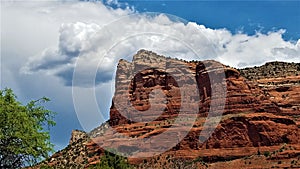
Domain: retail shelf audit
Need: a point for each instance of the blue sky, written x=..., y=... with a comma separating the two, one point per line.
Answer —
x=41, y=42
x=248, y=16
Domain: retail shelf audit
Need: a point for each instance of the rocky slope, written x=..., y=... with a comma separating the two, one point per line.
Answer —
x=261, y=113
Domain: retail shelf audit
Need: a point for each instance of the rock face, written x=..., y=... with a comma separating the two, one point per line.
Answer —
x=252, y=116
x=75, y=155
x=261, y=107
x=77, y=135
x=280, y=83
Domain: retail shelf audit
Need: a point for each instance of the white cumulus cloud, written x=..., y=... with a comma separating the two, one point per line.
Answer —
x=98, y=47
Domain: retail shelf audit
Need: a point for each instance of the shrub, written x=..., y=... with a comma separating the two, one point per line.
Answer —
x=46, y=167
x=266, y=153
x=112, y=160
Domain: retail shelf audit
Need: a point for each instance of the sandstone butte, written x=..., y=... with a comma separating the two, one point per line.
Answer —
x=259, y=126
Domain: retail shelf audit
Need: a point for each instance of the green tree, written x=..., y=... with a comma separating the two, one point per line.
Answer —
x=112, y=160
x=24, y=131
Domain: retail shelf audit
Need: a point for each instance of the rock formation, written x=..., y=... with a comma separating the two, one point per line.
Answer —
x=77, y=135
x=261, y=109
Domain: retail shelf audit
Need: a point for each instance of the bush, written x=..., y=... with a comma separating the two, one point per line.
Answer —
x=266, y=153
x=112, y=160
x=46, y=167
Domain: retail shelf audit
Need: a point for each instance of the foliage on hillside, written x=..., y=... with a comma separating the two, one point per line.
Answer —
x=111, y=160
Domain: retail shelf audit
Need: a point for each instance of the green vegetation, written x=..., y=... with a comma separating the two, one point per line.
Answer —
x=23, y=137
x=267, y=153
x=112, y=160
x=46, y=167
x=199, y=160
